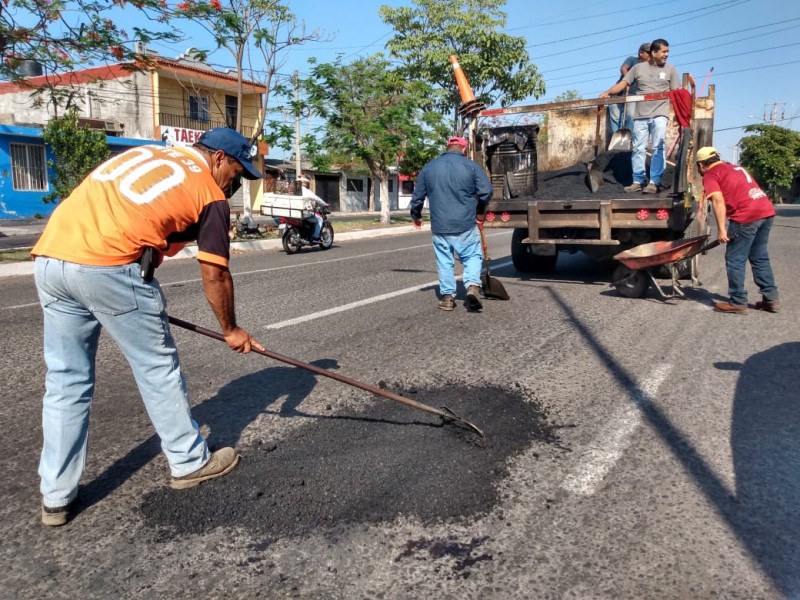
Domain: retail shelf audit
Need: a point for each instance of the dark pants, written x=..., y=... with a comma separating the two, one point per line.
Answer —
x=749, y=243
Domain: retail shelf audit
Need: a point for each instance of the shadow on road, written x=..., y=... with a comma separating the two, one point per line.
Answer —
x=765, y=440
x=228, y=413
x=764, y=514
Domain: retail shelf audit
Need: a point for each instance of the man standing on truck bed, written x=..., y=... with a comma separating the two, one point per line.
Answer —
x=452, y=183
x=744, y=216
x=616, y=111
x=650, y=118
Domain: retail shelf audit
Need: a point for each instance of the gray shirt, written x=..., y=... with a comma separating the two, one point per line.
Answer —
x=650, y=79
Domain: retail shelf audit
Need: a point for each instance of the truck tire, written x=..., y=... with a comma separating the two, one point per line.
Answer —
x=525, y=261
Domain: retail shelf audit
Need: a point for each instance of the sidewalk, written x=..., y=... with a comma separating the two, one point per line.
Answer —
x=36, y=226
x=12, y=227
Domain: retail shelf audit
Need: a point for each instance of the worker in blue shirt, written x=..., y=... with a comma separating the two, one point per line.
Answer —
x=458, y=191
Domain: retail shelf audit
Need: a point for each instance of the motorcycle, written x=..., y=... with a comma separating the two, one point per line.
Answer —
x=296, y=233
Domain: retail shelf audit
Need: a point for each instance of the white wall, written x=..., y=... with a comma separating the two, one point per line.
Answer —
x=376, y=193
x=126, y=100
x=351, y=200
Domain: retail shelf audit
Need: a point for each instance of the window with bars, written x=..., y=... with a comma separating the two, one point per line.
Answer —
x=198, y=108
x=28, y=168
x=355, y=185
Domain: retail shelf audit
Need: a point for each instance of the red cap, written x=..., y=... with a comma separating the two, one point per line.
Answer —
x=457, y=141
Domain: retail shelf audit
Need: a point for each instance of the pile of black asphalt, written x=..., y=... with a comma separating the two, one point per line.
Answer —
x=368, y=467
x=572, y=182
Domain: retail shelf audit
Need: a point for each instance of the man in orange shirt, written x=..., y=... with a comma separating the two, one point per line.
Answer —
x=148, y=201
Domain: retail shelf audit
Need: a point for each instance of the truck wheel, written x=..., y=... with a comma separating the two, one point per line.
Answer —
x=630, y=283
x=525, y=261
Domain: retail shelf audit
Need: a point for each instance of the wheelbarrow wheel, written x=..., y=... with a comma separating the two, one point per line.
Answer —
x=629, y=282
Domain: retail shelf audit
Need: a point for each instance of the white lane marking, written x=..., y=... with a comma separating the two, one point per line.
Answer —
x=20, y=306
x=311, y=263
x=292, y=266
x=609, y=446
x=359, y=303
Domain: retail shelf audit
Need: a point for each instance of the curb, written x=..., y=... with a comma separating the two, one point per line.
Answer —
x=26, y=268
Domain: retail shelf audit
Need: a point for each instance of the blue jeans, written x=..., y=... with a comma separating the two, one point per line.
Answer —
x=749, y=242
x=77, y=301
x=655, y=129
x=317, y=225
x=467, y=247
x=615, y=119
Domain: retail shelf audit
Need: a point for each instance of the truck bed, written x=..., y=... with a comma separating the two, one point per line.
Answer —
x=564, y=210
x=571, y=182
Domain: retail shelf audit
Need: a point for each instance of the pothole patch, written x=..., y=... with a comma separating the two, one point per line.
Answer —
x=373, y=466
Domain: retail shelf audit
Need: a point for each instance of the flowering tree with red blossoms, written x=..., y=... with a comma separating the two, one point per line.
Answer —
x=63, y=36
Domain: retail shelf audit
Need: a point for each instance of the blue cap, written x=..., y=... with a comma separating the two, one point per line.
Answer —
x=234, y=144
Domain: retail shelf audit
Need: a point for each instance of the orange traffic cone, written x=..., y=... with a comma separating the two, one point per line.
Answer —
x=470, y=106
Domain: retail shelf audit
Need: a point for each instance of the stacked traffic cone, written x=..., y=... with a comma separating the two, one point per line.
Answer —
x=470, y=106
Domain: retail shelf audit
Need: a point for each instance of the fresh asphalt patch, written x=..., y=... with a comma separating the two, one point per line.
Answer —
x=374, y=466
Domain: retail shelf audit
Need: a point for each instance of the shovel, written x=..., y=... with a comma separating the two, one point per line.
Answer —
x=594, y=175
x=621, y=138
x=491, y=287
x=446, y=414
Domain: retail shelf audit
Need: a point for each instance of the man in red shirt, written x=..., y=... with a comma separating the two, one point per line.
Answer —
x=744, y=216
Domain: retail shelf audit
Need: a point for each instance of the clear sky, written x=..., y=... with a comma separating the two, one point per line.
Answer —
x=753, y=46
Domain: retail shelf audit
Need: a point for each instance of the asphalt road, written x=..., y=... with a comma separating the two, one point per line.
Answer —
x=635, y=448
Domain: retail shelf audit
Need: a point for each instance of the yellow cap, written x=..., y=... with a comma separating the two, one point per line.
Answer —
x=706, y=152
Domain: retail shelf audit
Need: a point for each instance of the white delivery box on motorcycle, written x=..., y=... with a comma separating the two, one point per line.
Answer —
x=284, y=205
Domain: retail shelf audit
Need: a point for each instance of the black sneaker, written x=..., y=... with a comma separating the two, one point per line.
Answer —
x=447, y=302
x=473, y=298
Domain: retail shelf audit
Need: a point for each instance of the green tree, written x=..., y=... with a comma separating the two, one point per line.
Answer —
x=373, y=113
x=772, y=156
x=496, y=64
x=248, y=28
x=568, y=95
x=77, y=149
x=61, y=36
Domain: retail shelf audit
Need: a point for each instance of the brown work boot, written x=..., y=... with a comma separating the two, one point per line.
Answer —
x=727, y=307
x=56, y=517
x=772, y=306
x=221, y=462
x=634, y=187
x=447, y=302
x=473, y=300
x=651, y=188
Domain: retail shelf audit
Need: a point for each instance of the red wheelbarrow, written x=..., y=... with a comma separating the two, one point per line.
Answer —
x=635, y=275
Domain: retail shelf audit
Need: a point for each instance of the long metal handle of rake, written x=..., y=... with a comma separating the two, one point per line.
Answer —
x=446, y=414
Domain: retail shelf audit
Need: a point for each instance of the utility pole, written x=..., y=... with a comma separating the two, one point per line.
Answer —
x=297, y=168
x=774, y=112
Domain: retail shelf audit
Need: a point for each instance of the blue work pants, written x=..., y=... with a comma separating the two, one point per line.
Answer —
x=77, y=301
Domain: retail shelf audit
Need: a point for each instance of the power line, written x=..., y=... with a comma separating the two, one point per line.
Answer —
x=686, y=54
x=724, y=5
x=751, y=124
x=637, y=9
x=716, y=74
x=690, y=52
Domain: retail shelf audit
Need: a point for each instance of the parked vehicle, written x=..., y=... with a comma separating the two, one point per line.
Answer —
x=297, y=232
x=594, y=216
x=241, y=230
